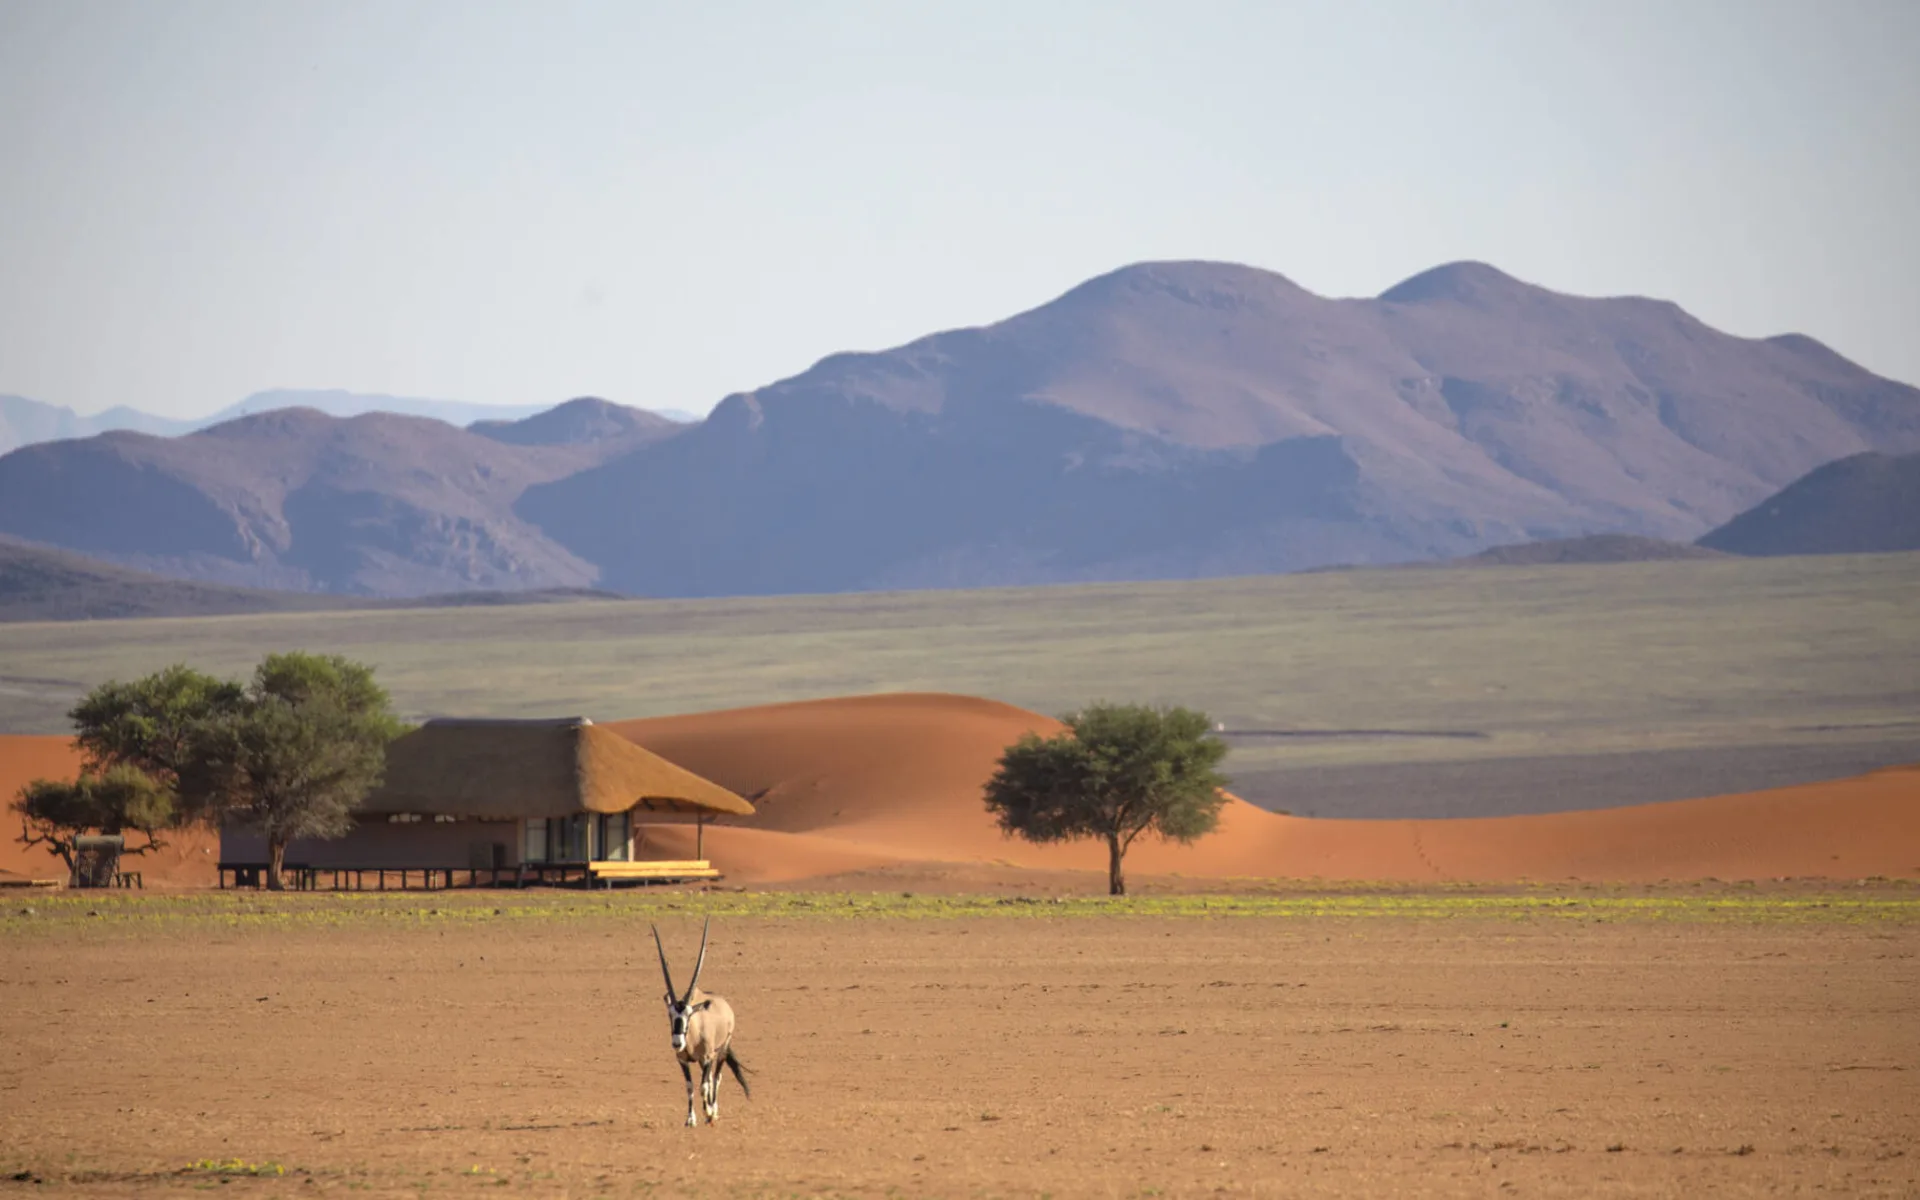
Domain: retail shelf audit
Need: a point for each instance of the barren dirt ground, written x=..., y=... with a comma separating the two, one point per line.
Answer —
x=452, y=1050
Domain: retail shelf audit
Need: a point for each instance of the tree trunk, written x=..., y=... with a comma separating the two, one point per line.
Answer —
x=276, y=858
x=1116, y=878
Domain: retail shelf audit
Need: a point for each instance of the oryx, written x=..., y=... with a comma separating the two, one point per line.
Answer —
x=702, y=1033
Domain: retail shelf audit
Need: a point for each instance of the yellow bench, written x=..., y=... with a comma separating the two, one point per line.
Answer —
x=691, y=868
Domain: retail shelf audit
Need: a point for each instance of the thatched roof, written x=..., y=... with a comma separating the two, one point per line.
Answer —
x=507, y=769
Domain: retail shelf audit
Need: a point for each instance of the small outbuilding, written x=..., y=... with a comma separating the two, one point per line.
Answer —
x=504, y=801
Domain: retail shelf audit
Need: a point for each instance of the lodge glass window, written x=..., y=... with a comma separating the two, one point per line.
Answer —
x=580, y=838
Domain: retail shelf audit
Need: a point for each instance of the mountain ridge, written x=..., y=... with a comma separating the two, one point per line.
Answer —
x=1473, y=409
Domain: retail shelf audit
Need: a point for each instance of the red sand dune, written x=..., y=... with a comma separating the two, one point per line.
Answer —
x=872, y=782
x=897, y=778
x=186, y=860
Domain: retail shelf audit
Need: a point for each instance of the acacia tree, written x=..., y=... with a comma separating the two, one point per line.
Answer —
x=290, y=753
x=296, y=755
x=135, y=737
x=55, y=813
x=1118, y=771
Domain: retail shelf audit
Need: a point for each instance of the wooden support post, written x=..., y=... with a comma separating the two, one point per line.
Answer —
x=700, y=835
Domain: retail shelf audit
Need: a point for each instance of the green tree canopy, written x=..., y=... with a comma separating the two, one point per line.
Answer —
x=122, y=799
x=297, y=755
x=1118, y=771
x=150, y=723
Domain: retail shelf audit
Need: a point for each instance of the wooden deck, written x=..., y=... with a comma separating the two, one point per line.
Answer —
x=303, y=877
x=652, y=870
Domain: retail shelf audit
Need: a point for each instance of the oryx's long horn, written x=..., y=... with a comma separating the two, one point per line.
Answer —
x=664, y=970
x=698, y=962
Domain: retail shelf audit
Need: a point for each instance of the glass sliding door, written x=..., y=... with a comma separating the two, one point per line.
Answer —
x=613, y=842
x=567, y=838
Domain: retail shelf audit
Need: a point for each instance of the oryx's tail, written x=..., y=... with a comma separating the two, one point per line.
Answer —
x=739, y=1070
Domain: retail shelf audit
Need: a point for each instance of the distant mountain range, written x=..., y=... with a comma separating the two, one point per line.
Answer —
x=42, y=584
x=294, y=499
x=1168, y=420
x=38, y=583
x=24, y=422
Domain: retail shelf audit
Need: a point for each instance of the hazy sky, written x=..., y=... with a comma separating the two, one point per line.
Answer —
x=663, y=203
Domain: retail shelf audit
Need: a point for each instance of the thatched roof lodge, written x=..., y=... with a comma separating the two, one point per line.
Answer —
x=506, y=795
x=505, y=770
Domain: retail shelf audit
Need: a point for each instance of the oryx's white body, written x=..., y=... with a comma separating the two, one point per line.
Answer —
x=701, y=1029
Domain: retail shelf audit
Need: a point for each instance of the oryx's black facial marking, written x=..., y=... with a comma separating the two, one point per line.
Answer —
x=677, y=1014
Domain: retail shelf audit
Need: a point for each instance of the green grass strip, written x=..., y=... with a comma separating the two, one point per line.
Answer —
x=39, y=914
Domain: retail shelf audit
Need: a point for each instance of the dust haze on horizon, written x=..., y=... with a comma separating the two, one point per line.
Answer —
x=516, y=203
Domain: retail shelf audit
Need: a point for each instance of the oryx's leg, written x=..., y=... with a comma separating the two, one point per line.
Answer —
x=686, y=1073
x=711, y=1073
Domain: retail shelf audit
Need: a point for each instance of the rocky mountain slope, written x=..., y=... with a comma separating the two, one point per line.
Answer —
x=1864, y=504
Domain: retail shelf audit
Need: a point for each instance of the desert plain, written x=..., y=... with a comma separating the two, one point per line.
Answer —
x=1572, y=1042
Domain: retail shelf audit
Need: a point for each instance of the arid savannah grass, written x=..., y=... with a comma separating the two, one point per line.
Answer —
x=1597, y=1041
x=1555, y=660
